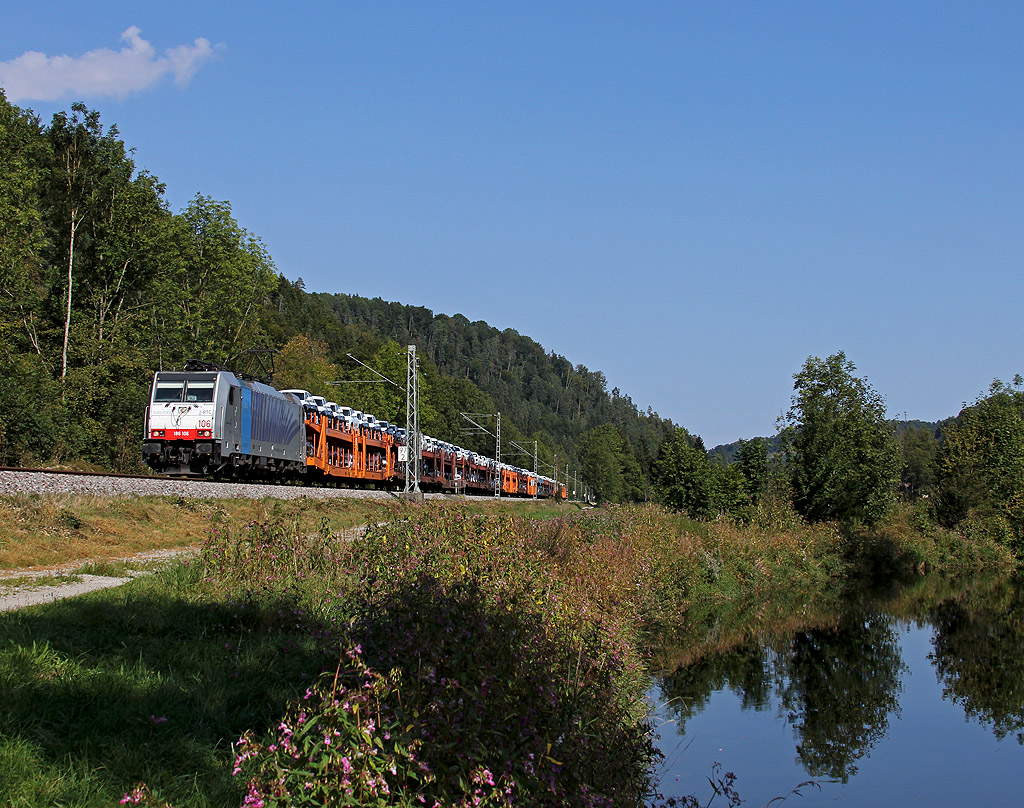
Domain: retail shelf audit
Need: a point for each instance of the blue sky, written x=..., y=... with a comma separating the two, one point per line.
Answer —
x=690, y=197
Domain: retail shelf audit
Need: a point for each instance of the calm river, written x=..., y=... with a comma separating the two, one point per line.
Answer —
x=915, y=699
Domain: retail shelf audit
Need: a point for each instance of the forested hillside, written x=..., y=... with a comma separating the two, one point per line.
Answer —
x=101, y=284
x=540, y=391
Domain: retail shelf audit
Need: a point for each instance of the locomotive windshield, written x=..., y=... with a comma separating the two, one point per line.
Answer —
x=191, y=390
x=168, y=391
x=199, y=390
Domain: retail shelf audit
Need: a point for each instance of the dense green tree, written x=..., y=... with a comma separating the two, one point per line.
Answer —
x=110, y=243
x=602, y=455
x=981, y=463
x=31, y=433
x=81, y=237
x=88, y=165
x=452, y=397
x=841, y=454
x=686, y=479
x=754, y=465
x=215, y=287
x=303, y=364
x=22, y=228
x=638, y=487
x=919, y=448
x=365, y=389
x=130, y=246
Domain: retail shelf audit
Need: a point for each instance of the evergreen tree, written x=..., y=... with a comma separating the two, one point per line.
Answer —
x=754, y=465
x=686, y=479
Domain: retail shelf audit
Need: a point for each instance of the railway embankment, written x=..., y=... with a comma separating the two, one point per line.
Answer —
x=50, y=483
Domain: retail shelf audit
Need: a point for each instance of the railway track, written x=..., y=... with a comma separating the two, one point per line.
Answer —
x=60, y=481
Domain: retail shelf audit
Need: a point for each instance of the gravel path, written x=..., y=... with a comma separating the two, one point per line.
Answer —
x=27, y=595
x=17, y=589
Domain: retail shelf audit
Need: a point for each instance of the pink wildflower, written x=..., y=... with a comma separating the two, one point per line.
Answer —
x=253, y=799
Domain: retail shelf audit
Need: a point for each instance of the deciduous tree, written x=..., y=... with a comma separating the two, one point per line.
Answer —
x=303, y=364
x=919, y=448
x=219, y=283
x=22, y=228
x=86, y=162
x=841, y=454
x=981, y=463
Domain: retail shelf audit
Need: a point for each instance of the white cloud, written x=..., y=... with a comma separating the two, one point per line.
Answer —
x=101, y=72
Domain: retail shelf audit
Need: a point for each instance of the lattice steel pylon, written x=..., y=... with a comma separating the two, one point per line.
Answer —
x=412, y=422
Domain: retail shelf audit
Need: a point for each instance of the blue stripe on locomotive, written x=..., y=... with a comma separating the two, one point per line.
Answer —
x=246, y=420
x=274, y=420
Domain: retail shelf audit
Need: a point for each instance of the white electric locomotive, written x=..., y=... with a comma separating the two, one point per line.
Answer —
x=210, y=421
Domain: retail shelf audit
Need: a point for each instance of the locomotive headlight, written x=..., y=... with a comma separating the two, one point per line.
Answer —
x=156, y=433
x=204, y=433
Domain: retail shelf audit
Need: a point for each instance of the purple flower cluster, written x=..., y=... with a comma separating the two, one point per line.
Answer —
x=339, y=742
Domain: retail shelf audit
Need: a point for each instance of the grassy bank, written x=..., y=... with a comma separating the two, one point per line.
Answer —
x=449, y=656
x=64, y=530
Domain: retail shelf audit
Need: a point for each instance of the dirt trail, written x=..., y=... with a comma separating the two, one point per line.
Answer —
x=18, y=590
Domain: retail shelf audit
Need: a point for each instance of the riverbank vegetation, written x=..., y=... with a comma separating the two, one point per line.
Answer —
x=446, y=655
x=839, y=461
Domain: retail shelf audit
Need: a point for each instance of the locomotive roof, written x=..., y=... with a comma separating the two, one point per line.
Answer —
x=211, y=375
x=184, y=375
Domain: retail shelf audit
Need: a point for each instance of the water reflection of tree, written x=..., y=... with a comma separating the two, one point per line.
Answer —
x=839, y=686
x=744, y=670
x=979, y=658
